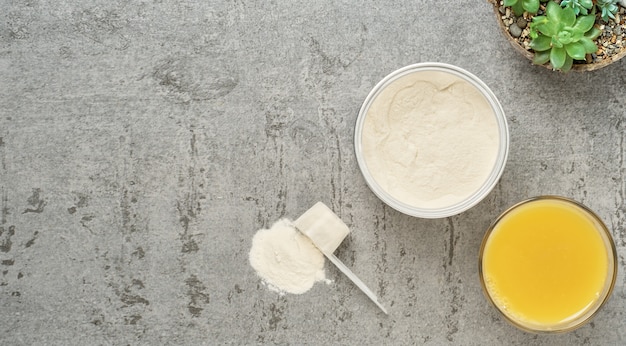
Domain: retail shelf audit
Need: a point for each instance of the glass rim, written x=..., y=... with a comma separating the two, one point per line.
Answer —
x=609, y=283
x=473, y=198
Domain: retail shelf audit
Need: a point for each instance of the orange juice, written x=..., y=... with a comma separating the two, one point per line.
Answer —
x=548, y=264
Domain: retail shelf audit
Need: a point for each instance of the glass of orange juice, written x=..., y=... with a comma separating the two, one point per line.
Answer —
x=548, y=264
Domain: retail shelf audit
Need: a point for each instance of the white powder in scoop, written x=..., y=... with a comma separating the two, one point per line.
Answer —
x=430, y=139
x=285, y=259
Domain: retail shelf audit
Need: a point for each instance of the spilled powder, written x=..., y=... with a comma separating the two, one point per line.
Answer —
x=285, y=259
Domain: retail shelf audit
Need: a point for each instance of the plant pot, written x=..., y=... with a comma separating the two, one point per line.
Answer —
x=579, y=66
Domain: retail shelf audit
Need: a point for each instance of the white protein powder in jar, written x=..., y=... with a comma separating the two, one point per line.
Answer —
x=430, y=139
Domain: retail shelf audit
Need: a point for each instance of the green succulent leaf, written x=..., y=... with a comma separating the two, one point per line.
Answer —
x=541, y=58
x=584, y=23
x=509, y=2
x=567, y=16
x=590, y=46
x=541, y=43
x=532, y=6
x=536, y=22
x=568, y=64
x=565, y=37
x=553, y=12
x=557, y=57
x=586, y=4
x=518, y=8
x=593, y=33
x=548, y=28
x=539, y=20
x=606, y=14
x=576, y=50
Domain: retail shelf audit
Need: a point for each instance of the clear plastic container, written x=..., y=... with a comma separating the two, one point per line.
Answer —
x=471, y=199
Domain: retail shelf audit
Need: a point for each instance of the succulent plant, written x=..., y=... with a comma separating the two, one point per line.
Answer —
x=608, y=8
x=579, y=6
x=561, y=37
x=519, y=6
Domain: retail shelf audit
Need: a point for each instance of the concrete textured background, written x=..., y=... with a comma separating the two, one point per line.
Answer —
x=143, y=143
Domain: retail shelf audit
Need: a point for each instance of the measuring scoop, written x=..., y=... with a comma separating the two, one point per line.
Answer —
x=326, y=230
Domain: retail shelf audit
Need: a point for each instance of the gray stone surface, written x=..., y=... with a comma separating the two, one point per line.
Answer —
x=142, y=144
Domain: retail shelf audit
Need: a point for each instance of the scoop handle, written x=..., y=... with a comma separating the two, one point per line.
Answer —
x=355, y=279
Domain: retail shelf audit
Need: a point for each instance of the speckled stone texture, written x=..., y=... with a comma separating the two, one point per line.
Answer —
x=142, y=144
